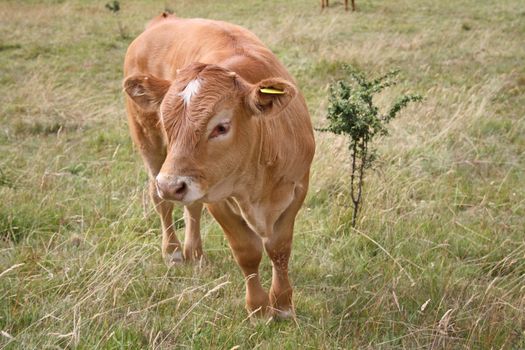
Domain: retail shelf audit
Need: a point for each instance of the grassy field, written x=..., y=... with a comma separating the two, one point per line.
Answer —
x=437, y=262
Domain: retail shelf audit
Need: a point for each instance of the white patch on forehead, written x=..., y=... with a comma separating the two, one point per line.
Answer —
x=191, y=89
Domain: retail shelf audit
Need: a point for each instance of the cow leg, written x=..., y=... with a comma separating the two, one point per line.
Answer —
x=278, y=245
x=247, y=249
x=171, y=247
x=192, y=236
x=149, y=140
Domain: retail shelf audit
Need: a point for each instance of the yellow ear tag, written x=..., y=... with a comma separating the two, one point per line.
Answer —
x=271, y=91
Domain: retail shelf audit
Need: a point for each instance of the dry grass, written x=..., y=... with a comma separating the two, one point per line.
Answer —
x=438, y=260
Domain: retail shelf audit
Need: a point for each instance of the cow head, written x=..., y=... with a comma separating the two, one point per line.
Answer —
x=212, y=119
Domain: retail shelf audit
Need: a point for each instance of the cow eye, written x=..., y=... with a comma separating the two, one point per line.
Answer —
x=220, y=129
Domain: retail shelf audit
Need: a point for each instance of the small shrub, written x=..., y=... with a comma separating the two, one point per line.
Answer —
x=114, y=7
x=466, y=26
x=351, y=112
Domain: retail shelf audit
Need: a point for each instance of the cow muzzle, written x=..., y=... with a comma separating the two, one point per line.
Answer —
x=177, y=188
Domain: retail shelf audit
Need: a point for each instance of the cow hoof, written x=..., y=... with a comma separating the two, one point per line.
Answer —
x=197, y=264
x=193, y=254
x=173, y=258
x=258, y=320
x=283, y=314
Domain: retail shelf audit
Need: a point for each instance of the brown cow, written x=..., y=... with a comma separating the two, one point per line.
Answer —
x=325, y=3
x=218, y=120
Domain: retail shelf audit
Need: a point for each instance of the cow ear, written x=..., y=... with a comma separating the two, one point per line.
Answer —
x=270, y=96
x=146, y=91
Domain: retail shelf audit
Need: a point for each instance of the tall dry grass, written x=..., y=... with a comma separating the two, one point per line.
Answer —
x=438, y=260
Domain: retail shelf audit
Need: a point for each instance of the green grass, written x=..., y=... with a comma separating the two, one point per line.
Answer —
x=438, y=260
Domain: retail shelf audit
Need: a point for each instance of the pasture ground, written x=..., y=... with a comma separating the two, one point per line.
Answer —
x=438, y=260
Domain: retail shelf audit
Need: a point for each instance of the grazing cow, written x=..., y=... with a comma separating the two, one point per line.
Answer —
x=324, y=3
x=219, y=121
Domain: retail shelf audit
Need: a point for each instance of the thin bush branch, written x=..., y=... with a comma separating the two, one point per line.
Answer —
x=351, y=111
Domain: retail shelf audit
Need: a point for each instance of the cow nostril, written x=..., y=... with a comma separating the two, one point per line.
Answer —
x=170, y=188
x=181, y=188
